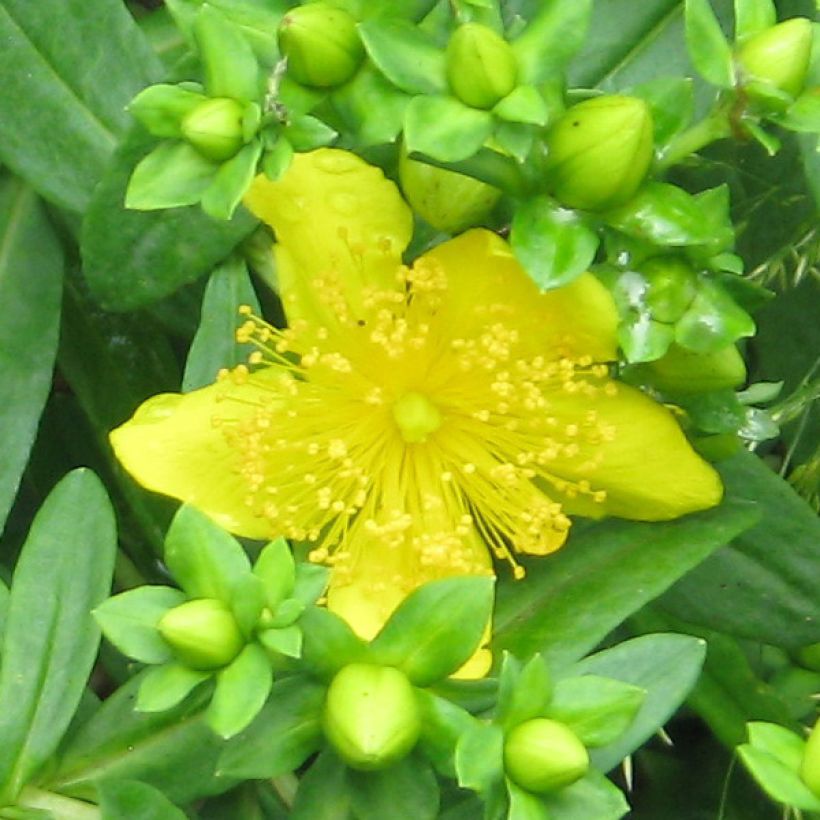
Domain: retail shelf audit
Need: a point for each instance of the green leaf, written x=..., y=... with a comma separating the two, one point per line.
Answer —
x=204, y=559
x=609, y=570
x=373, y=794
x=523, y=104
x=712, y=321
x=597, y=709
x=781, y=743
x=277, y=571
x=443, y=723
x=232, y=180
x=642, y=339
x=214, y=345
x=242, y=688
x=803, y=115
x=276, y=160
x=58, y=122
x=752, y=16
x=554, y=245
x=230, y=66
x=406, y=55
x=132, y=800
x=129, y=620
x=665, y=667
x=324, y=793
x=172, y=175
x=163, y=687
x=305, y=133
x=311, y=582
x=286, y=640
x=283, y=734
x=780, y=782
x=551, y=38
x=592, y=796
x=444, y=128
x=526, y=695
x=328, y=643
x=762, y=586
x=672, y=102
x=479, y=757
x=708, y=48
x=161, y=108
x=31, y=274
x=133, y=258
x=524, y=805
x=436, y=628
x=174, y=750
x=50, y=641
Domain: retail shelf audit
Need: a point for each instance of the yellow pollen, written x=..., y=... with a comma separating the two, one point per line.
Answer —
x=416, y=417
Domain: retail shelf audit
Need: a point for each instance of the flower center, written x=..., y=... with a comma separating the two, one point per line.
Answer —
x=416, y=417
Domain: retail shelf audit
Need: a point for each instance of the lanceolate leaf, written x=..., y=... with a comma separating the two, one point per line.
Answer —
x=69, y=69
x=707, y=44
x=31, y=273
x=51, y=640
x=130, y=799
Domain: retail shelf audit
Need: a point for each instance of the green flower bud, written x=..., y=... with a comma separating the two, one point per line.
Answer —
x=810, y=767
x=214, y=128
x=542, y=755
x=203, y=633
x=371, y=715
x=672, y=286
x=449, y=201
x=481, y=66
x=779, y=55
x=599, y=152
x=684, y=371
x=321, y=43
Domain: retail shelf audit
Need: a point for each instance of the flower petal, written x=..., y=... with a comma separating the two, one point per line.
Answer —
x=173, y=445
x=486, y=283
x=642, y=459
x=337, y=219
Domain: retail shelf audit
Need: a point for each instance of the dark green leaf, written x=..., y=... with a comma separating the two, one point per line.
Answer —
x=58, y=121
x=406, y=55
x=672, y=102
x=129, y=620
x=283, y=734
x=666, y=667
x=444, y=128
x=242, y=688
x=571, y=600
x=324, y=793
x=31, y=273
x=132, y=800
x=131, y=258
x=51, y=640
x=374, y=794
x=443, y=723
x=553, y=244
x=592, y=796
x=174, y=751
x=708, y=48
x=204, y=559
x=480, y=757
x=436, y=628
x=762, y=586
x=214, y=345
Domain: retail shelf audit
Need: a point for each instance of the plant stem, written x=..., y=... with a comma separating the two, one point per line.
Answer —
x=710, y=129
x=66, y=808
x=286, y=785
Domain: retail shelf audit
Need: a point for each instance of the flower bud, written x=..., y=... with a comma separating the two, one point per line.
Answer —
x=684, y=371
x=542, y=755
x=779, y=55
x=672, y=285
x=810, y=766
x=214, y=128
x=481, y=66
x=449, y=201
x=371, y=715
x=203, y=633
x=321, y=43
x=599, y=152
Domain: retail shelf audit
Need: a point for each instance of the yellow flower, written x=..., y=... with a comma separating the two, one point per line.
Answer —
x=411, y=421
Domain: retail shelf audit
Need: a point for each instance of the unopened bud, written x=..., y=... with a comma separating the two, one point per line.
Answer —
x=214, y=128
x=481, y=66
x=672, y=285
x=599, y=152
x=684, y=371
x=203, y=633
x=810, y=766
x=779, y=55
x=449, y=201
x=321, y=44
x=542, y=755
x=371, y=715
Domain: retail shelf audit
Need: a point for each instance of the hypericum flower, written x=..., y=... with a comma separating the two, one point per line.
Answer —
x=411, y=421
